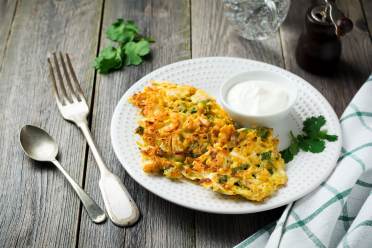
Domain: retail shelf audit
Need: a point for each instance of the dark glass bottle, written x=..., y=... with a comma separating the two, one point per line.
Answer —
x=318, y=48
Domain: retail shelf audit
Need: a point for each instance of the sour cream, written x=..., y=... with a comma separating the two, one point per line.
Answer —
x=257, y=97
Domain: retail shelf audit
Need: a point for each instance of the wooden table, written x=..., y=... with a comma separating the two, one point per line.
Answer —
x=37, y=206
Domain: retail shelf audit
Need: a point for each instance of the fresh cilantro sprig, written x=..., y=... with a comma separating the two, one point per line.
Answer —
x=312, y=138
x=122, y=31
x=130, y=49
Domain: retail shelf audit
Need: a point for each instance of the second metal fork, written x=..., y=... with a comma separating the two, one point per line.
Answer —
x=71, y=102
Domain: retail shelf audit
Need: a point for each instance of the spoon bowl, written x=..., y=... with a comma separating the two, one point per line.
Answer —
x=38, y=144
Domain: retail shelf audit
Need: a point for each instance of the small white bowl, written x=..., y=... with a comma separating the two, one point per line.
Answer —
x=268, y=120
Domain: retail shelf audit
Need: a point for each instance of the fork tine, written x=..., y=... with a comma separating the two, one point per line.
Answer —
x=75, y=80
x=67, y=77
x=60, y=79
x=53, y=78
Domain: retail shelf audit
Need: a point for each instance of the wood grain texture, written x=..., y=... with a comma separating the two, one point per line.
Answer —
x=367, y=10
x=356, y=58
x=7, y=11
x=212, y=35
x=38, y=206
x=163, y=224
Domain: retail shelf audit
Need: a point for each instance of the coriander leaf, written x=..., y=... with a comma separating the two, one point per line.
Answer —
x=312, y=139
x=313, y=145
x=331, y=137
x=287, y=155
x=109, y=59
x=131, y=46
x=326, y=136
x=313, y=125
x=293, y=148
x=122, y=31
x=150, y=39
x=135, y=50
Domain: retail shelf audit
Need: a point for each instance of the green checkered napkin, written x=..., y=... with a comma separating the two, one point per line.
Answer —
x=339, y=212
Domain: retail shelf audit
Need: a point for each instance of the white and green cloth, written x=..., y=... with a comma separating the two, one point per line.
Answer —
x=339, y=212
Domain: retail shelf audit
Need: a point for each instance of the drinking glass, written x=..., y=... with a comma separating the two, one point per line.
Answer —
x=256, y=19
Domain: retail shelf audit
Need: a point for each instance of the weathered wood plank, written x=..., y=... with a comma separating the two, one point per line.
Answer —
x=212, y=35
x=7, y=11
x=356, y=56
x=38, y=207
x=367, y=10
x=162, y=224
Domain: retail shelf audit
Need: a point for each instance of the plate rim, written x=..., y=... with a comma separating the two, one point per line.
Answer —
x=281, y=203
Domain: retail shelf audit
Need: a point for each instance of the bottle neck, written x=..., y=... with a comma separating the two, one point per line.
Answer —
x=318, y=26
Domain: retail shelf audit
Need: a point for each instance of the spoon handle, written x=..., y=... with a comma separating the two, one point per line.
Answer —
x=94, y=211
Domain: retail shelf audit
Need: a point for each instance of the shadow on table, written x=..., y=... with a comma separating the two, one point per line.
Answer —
x=218, y=230
x=166, y=223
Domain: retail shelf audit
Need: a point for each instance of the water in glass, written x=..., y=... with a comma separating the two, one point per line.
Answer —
x=256, y=19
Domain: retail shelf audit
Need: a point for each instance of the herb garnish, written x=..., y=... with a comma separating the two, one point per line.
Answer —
x=223, y=179
x=266, y=155
x=239, y=168
x=311, y=140
x=263, y=132
x=131, y=47
x=193, y=110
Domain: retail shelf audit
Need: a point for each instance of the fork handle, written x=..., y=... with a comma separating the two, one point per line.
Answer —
x=120, y=206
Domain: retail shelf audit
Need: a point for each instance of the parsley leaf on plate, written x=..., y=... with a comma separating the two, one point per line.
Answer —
x=313, y=125
x=294, y=147
x=308, y=144
x=312, y=139
x=326, y=136
x=289, y=153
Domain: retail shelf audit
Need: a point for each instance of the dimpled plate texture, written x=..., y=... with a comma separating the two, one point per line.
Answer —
x=306, y=172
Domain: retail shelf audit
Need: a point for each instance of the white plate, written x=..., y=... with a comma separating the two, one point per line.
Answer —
x=306, y=172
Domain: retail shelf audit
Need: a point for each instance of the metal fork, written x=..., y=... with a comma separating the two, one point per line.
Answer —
x=71, y=102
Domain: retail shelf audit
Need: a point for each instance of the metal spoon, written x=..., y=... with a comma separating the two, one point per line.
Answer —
x=40, y=146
